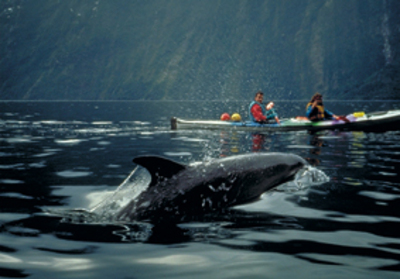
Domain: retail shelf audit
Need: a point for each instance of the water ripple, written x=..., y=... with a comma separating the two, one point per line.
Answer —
x=72, y=174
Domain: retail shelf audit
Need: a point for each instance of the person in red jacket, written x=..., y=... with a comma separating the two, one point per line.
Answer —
x=259, y=113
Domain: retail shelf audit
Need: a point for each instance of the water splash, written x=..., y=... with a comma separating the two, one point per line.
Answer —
x=306, y=177
x=137, y=182
x=104, y=212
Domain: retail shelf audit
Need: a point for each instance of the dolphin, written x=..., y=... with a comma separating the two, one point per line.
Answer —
x=178, y=190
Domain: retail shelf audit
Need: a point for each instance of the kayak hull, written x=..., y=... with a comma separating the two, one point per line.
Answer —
x=374, y=122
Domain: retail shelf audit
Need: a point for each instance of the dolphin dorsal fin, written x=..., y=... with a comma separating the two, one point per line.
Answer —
x=159, y=167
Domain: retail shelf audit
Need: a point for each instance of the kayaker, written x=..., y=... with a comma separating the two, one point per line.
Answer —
x=260, y=114
x=315, y=110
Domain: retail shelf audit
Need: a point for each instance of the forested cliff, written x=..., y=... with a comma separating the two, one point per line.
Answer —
x=199, y=49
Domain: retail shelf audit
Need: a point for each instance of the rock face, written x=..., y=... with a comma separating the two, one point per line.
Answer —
x=199, y=50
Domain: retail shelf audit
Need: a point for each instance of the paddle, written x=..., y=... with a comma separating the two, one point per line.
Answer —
x=352, y=116
x=343, y=118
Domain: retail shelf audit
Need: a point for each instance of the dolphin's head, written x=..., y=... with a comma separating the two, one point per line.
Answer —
x=264, y=161
x=284, y=165
x=248, y=176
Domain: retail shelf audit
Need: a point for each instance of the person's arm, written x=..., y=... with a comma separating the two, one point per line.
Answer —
x=271, y=113
x=309, y=110
x=256, y=110
x=330, y=115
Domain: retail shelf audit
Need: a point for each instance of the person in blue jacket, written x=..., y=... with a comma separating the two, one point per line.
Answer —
x=315, y=110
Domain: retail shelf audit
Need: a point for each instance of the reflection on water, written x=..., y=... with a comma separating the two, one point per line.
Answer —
x=75, y=160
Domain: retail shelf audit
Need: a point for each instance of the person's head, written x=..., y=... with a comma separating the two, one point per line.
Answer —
x=316, y=97
x=259, y=97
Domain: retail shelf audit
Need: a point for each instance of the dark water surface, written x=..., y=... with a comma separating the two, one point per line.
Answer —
x=70, y=155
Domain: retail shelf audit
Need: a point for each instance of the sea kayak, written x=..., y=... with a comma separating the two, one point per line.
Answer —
x=375, y=122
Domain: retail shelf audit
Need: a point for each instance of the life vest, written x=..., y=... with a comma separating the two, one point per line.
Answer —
x=317, y=113
x=251, y=115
